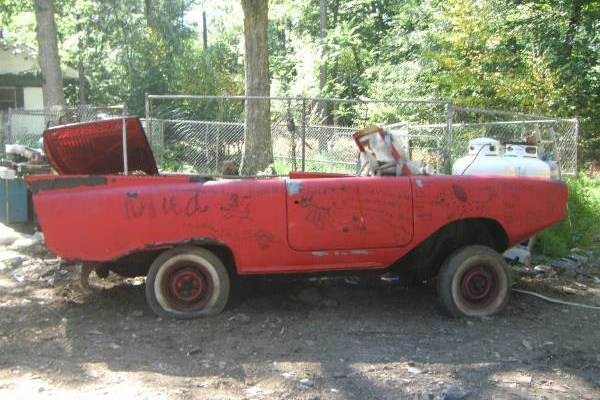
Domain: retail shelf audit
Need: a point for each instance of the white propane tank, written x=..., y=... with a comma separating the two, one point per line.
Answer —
x=483, y=159
x=486, y=157
x=526, y=162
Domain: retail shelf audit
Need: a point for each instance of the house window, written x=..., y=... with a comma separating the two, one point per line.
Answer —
x=8, y=98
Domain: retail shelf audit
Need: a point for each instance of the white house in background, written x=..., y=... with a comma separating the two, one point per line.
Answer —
x=21, y=89
x=20, y=78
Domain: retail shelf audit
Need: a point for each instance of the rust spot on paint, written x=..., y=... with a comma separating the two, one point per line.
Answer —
x=459, y=193
x=200, y=240
x=196, y=241
x=67, y=183
x=264, y=239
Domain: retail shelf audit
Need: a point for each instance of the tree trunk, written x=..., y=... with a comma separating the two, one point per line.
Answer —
x=204, y=31
x=258, y=151
x=149, y=13
x=323, y=37
x=52, y=81
x=574, y=19
x=324, y=113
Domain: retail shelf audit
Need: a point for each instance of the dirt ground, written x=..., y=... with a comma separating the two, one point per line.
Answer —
x=288, y=339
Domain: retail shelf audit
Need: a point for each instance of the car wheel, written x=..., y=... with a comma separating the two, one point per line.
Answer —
x=474, y=281
x=187, y=282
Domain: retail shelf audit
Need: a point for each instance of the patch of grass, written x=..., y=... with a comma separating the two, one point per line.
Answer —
x=581, y=227
x=319, y=164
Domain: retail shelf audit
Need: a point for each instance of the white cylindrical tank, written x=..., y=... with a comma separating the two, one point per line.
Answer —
x=486, y=157
x=526, y=162
x=483, y=159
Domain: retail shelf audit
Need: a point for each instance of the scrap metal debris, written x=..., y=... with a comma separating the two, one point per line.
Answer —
x=21, y=160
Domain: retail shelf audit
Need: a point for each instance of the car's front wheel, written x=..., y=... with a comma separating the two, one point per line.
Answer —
x=474, y=281
x=187, y=282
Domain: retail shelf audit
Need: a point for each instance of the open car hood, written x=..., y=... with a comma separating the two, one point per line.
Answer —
x=96, y=148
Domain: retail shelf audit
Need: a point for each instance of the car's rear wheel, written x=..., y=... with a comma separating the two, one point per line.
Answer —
x=187, y=282
x=474, y=281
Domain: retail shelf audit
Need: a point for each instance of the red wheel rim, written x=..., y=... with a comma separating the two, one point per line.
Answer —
x=479, y=286
x=187, y=285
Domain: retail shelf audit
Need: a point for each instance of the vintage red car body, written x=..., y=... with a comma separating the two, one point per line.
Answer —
x=300, y=224
x=303, y=223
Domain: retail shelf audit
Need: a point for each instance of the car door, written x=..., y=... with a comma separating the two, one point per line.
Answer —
x=349, y=213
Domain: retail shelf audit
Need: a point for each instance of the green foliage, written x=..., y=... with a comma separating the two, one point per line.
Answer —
x=132, y=47
x=539, y=56
x=580, y=228
x=534, y=56
x=12, y=7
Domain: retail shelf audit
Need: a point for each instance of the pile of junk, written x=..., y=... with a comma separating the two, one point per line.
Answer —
x=18, y=161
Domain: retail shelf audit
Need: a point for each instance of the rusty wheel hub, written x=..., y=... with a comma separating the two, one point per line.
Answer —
x=187, y=284
x=479, y=286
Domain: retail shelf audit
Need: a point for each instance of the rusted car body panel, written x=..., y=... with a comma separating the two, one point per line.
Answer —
x=306, y=223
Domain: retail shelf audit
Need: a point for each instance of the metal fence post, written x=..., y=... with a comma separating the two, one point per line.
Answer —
x=206, y=147
x=147, y=118
x=220, y=116
x=3, y=131
x=449, y=138
x=292, y=129
x=8, y=135
x=218, y=150
x=125, y=166
x=303, y=133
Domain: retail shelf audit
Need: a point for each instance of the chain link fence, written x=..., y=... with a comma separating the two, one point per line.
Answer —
x=556, y=137
x=205, y=134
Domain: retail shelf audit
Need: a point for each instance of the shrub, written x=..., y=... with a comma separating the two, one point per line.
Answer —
x=581, y=226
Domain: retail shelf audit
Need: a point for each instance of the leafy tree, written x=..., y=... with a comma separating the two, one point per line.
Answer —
x=539, y=56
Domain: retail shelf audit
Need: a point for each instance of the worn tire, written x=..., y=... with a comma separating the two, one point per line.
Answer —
x=187, y=282
x=474, y=281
